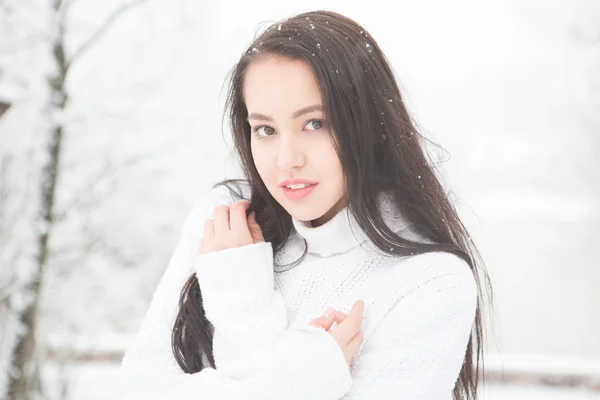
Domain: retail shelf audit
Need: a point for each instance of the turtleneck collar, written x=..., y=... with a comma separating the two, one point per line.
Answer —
x=342, y=233
x=338, y=235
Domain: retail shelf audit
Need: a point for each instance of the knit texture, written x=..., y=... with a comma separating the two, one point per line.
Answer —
x=419, y=312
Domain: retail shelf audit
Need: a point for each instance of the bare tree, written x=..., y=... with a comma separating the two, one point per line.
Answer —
x=4, y=106
x=23, y=379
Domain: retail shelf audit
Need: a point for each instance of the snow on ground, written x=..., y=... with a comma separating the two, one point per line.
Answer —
x=98, y=382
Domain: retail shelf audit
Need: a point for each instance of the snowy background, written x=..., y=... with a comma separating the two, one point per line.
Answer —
x=511, y=89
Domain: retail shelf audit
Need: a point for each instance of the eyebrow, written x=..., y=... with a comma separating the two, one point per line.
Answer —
x=296, y=114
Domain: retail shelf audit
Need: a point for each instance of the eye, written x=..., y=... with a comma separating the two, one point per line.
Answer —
x=266, y=131
x=316, y=124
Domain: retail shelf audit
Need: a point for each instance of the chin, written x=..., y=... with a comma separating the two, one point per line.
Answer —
x=307, y=212
x=304, y=216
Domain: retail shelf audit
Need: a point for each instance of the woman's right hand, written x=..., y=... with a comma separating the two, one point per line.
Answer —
x=230, y=228
x=348, y=333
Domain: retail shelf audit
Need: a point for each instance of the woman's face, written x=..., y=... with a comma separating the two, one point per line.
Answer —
x=292, y=140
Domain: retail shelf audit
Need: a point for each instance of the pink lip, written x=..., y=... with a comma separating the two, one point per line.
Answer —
x=297, y=181
x=297, y=194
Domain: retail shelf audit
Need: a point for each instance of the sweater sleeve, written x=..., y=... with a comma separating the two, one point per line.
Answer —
x=240, y=300
x=286, y=369
x=304, y=364
x=417, y=351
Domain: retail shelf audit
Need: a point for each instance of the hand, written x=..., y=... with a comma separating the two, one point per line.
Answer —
x=348, y=333
x=230, y=228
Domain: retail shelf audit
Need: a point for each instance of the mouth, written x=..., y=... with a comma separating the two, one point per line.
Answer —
x=298, y=191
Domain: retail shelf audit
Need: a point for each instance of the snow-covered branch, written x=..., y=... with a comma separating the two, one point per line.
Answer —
x=108, y=22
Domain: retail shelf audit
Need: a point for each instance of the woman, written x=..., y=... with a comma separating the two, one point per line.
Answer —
x=340, y=210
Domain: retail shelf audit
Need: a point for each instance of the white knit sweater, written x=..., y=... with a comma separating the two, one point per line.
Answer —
x=418, y=316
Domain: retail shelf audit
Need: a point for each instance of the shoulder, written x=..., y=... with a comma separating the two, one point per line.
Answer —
x=441, y=262
x=434, y=272
x=441, y=285
x=418, y=295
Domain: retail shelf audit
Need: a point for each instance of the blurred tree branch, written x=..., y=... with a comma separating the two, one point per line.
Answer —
x=24, y=377
x=104, y=27
x=4, y=106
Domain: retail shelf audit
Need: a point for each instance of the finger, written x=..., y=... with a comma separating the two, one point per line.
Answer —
x=322, y=322
x=351, y=325
x=325, y=321
x=221, y=215
x=255, y=229
x=237, y=216
x=354, y=344
x=340, y=317
x=209, y=229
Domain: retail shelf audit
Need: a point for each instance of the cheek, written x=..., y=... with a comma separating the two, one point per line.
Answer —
x=328, y=164
x=329, y=161
x=261, y=161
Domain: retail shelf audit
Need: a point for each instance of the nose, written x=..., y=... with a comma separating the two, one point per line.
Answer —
x=290, y=154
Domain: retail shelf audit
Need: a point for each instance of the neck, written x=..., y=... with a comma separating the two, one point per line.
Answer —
x=339, y=206
x=341, y=232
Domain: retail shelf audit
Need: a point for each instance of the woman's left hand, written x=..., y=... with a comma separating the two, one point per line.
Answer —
x=230, y=228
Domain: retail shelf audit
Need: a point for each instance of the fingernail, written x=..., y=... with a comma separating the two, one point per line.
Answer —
x=329, y=312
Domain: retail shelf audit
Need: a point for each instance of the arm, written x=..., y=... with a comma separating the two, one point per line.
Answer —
x=234, y=269
x=417, y=351
x=286, y=370
x=237, y=288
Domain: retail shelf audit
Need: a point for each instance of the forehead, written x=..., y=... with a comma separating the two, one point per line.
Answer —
x=275, y=85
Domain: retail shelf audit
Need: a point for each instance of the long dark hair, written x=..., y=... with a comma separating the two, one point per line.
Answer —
x=380, y=150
